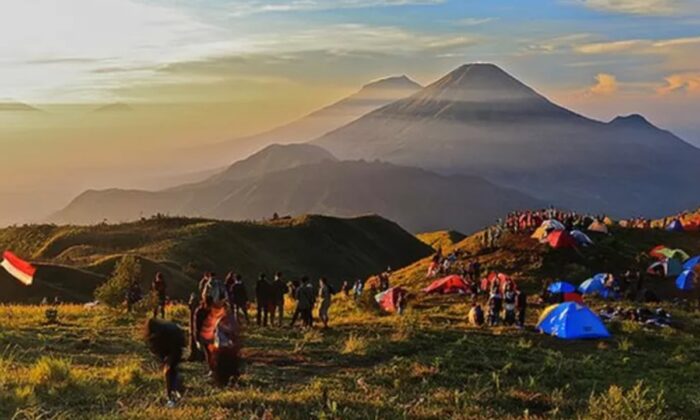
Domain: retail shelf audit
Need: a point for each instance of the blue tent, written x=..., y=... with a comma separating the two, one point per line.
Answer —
x=675, y=226
x=685, y=280
x=691, y=263
x=570, y=321
x=592, y=285
x=561, y=287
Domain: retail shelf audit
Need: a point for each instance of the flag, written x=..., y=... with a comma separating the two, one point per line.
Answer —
x=18, y=268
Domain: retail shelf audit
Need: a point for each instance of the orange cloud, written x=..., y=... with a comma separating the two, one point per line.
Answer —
x=681, y=82
x=606, y=84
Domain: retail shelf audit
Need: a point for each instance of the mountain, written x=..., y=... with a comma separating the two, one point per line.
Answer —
x=273, y=158
x=480, y=120
x=116, y=107
x=16, y=107
x=415, y=198
x=370, y=97
x=72, y=261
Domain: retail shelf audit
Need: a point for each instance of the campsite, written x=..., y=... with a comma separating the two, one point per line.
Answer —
x=427, y=362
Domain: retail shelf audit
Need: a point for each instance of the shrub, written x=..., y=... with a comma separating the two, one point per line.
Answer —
x=50, y=372
x=113, y=291
x=355, y=344
x=618, y=404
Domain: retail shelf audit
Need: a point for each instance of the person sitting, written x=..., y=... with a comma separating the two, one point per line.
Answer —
x=476, y=315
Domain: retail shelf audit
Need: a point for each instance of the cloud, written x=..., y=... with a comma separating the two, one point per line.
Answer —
x=606, y=84
x=250, y=7
x=682, y=82
x=638, y=7
x=474, y=21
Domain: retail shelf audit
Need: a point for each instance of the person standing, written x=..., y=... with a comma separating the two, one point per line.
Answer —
x=521, y=305
x=509, y=301
x=239, y=299
x=195, y=353
x=159, y=288
x=324, y=295
x=305, y=303
x=262, y=300
x=279, y=289
x=133, y=295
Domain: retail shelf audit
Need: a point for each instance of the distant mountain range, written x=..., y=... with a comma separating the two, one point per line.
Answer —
x=17, y=107
x=371, y=96
x=455, y=155
x=299, y=179
x=480, y=120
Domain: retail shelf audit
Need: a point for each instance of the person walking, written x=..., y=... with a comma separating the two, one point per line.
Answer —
x=262, y=300
x=159, y=288
x=324, y=295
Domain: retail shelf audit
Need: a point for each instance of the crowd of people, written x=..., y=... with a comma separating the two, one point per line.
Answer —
x=529, y=220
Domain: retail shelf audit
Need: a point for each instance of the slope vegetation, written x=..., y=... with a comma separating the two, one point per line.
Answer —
x=74, y=260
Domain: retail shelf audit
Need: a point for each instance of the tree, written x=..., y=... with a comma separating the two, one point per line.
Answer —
x=113, y=291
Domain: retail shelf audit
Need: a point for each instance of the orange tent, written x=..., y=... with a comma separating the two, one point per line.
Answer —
x=561, y=239
x=447, y=285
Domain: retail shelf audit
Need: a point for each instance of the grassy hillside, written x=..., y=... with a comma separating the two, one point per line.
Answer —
x=428, y=364
x=441, y=239
x=74, y=260
x=532, y=263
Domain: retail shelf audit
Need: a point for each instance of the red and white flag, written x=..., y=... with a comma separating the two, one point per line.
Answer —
x=18, y=268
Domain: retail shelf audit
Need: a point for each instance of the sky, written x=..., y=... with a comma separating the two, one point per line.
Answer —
x=202, y=71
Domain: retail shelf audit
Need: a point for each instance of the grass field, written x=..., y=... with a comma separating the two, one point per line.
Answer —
x=426, y=364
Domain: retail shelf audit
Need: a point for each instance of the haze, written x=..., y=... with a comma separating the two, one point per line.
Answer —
x=127, y=93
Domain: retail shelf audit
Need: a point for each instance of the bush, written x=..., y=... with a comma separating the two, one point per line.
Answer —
x=618, y=404
x=113, y=291
x=51, y=373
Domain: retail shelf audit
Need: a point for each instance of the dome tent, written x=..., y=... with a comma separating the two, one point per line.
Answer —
x=571, y=321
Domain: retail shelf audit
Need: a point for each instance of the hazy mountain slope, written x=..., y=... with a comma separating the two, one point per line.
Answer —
x=480, y=120
x=370, y=97
x=417, y=199
x=74, y=260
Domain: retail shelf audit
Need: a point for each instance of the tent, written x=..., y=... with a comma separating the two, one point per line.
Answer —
x=686, y=280
x=449, y=284
x=665, y=252
x=598, y=226
x=552, y=224
x=500, y=277
x=570, y=321
x=572, y=297
x=581, y=238
x=540, y=234
x=691, y=263
x=593, y=285
x=387, y=299
x=608, y=221
x=675, y=226
x=666, y=268
x=561, y=239
x=561, y=287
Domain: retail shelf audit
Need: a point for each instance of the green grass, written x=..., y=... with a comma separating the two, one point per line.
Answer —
x=74, y=260
x=426, y=364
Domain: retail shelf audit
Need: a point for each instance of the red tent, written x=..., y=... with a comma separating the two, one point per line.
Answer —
x=559, y=239
x=573, y=297
x=501, y=278
x=387, y=300
x=449, y=284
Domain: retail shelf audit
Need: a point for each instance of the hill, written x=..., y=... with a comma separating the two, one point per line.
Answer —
x=16, y=107
x=480, y=120
x=443, y=239
x=532, y=263
x=74, y=260
x=416, y=199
